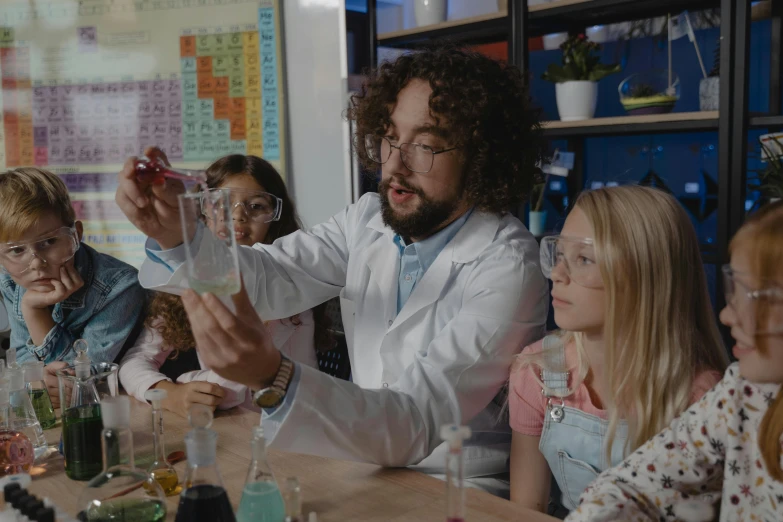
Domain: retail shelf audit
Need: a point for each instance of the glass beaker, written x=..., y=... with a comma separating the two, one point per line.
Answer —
x=104, y=376
x=39, y=395
x=210, y=243
x=122, y=492
x=16, y=451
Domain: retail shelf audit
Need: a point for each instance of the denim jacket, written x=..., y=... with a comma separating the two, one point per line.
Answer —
x=103, y=312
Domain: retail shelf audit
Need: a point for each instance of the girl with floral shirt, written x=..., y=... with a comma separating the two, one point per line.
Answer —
x=639, y=344
x=725, y=451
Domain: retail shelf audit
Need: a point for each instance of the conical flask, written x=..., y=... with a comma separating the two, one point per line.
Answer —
x=39, y=394
x=261, y=498
x=23, y=416
x=82, y=424
x=121, y=492
x=204, y=498
x=16, y=450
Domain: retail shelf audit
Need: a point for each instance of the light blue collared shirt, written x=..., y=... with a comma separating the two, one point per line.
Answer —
x=416, y=258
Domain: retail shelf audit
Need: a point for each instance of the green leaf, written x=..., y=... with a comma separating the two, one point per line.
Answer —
x=603, y=70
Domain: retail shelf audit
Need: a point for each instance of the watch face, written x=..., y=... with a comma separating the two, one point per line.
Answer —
x=268, y=398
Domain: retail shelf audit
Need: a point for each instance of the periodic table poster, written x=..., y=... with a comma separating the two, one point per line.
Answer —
x=88, y=83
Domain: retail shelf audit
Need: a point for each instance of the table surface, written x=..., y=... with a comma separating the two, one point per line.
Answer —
x=336, y=490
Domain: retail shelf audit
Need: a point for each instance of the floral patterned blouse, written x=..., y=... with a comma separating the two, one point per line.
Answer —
x=709, y=453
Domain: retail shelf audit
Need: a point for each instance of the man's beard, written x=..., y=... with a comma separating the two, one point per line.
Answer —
x=423, y=221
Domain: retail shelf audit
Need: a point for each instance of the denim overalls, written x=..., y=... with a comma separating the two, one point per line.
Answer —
x=572, y=441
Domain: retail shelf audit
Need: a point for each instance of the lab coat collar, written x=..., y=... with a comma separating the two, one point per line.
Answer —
x=473, y=238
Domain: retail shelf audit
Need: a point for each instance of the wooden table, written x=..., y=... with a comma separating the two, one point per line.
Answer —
x=336, y=490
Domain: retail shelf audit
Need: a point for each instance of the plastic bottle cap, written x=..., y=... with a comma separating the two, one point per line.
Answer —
x=15, y=379
x=454, y=435
x=155, y=396
x=10, y=488
x=201, y=445
x=45, y=515
x=31, y=507
x=115, y=412
x=18, y=500
x=312, y=517
x=33, y=371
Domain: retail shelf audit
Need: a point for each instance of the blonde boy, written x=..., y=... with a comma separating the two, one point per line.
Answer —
x=56, y=288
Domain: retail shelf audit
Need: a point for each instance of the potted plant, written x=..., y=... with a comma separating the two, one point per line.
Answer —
x=769, y=179
x=576, y=78
x=537, y=216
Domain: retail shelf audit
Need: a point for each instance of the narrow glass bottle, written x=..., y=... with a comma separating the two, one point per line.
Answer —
x=454, y=436
x=16, y=450
x=121, y=492
x=160, y=469
x=23, y=416
x=261, y=499
x=204, y=498
x=82, y=425
x=39, y=395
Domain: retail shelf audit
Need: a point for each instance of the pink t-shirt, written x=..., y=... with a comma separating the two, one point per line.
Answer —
x=527, y=405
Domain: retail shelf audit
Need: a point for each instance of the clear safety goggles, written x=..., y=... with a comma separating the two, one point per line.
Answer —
x=55, y=249
x=576, y=255
x=258, y=206
x=760, y=312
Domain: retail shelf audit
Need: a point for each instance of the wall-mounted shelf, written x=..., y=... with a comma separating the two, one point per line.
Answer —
x=563, y=15
x=492, y=26
x=672, y=122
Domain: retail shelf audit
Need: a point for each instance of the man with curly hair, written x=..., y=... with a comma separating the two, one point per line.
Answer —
x=439, y=285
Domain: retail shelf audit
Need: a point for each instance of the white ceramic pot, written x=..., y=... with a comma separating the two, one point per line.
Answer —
x=429, y=12
x=537, y=221
x=576, y=100
x=553, y=41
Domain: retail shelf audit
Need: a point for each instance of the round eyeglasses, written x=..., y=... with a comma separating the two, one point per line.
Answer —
x=760, y=312
x=56, y=249
x=415, y=156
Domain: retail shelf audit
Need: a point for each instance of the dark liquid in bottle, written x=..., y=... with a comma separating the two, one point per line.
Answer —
x=204, y=504
x=82, y=428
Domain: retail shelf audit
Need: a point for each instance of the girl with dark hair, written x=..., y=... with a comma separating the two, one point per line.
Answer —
x=163, y=356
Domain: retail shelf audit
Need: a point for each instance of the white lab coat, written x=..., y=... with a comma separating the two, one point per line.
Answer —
x=480, y=302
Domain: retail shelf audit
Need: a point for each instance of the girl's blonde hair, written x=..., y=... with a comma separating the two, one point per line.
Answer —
x=761, y=238
x=659, y=329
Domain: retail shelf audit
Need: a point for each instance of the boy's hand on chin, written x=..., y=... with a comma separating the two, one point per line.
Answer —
x=70, y=281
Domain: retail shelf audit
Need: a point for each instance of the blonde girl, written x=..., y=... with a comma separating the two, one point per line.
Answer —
x=638, y=343
x=726, y=448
